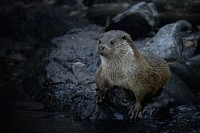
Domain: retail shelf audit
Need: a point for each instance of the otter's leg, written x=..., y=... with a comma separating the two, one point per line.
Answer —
x=104, y=87
x=136, y=110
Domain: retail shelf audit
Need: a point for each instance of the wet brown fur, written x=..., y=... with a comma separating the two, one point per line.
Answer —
x=150, y=74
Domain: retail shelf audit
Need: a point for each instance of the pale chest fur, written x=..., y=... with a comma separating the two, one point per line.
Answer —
x=120, y=70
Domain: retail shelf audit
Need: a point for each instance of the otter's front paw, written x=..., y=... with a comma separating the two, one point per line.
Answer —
x=100, y=96
x=136, y=111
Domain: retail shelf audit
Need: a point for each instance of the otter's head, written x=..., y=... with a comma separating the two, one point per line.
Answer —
x=114, y=43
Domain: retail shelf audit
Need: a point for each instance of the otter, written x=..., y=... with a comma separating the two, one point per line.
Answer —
x=124, y=66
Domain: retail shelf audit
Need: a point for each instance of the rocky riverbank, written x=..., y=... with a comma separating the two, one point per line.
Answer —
x=62, y=77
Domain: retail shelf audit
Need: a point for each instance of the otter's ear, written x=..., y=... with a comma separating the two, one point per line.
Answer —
x=124, y=37
x=127, y=38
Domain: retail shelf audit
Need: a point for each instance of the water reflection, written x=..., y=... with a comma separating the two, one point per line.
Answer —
x=31, y=117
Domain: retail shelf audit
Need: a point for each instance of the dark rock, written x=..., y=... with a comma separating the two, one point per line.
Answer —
x=175, y=92
x=103, y=13
x=177, y=89
x=64, y=79
x=182, y=70
x=188, y=71
x=172, y=10
x=36, y=21
x=186, y=116
x=49, y=2
x=139, y=20
x=198, y=48
x=174, y=41
x=184, y=110
x=91, y=2
x=191, y=42
x=194, y=65
x=88, y=2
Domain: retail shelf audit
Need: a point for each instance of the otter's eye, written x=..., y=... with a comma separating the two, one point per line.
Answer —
x=99, y=41
x=112, y=42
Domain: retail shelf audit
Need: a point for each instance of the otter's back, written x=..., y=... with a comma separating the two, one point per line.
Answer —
x=159, y=65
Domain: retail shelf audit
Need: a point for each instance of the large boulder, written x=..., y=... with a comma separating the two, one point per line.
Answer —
x=174, y=41
x=139, y=20
x=64, y=79
x=68, y=67
x=173, y=10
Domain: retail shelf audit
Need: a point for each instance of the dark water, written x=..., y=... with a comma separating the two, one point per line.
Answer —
x=31, y=117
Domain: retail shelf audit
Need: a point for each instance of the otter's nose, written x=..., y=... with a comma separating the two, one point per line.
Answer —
x=101, y=47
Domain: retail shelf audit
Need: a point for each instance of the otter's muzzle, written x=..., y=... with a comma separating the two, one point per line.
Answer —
x=101, y=47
